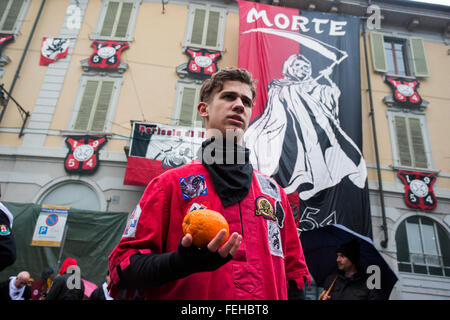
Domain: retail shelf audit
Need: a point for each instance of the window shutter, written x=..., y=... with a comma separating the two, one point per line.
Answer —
x=417, y=143
x=402, y=243
x=87, y=102
x=401, y=132
x=187, y=107
x=378, y=54
x=212, y=33
x=13, y=13
x=3, y=5
x=198, y=26
x=444, y=244
x=104, y=99
x=419, y=58
x=110, y=18
x=124, y=20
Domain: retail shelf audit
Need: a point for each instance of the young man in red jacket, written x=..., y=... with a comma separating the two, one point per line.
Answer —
x=263, y=257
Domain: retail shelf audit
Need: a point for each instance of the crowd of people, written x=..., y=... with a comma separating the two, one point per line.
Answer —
x=51, y=286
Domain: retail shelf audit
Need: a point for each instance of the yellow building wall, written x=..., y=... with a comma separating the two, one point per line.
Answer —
x=31, y=75
x=434, y=89
x=149, y=83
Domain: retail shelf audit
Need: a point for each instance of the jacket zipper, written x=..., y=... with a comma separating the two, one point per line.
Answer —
x=240, y=216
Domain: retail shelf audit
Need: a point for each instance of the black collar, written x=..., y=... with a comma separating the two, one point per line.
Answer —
x=229, y=167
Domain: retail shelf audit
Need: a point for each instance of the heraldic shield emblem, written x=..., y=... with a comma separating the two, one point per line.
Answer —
x=106, y=53
x=419, y=189
x=82, y=157
x=202, y=62
x=404, y=91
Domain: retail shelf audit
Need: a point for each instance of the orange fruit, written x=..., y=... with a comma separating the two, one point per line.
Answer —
x=203, y=225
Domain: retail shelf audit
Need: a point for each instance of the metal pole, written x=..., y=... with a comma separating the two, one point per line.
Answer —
x=63, y=241
x=371, y=114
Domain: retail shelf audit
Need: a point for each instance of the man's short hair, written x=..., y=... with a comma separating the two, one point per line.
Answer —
x=215, y=83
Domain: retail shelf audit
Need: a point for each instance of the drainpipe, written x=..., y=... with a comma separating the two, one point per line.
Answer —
x=16, y=75
x=371, y=114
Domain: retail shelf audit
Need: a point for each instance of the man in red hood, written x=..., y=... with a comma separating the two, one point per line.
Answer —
x=65, y=289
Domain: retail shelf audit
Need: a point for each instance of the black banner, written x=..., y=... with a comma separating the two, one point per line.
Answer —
x=307, y=134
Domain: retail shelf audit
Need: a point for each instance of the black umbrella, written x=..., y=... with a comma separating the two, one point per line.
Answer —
x=319, y=247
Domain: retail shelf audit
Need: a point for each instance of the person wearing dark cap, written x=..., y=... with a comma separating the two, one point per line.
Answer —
x=40, y=287
x=348, y=282
x=101, y=293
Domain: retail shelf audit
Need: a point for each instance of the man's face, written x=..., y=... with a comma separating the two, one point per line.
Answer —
x=230, y=109
x=344, y=264
x=21, y=281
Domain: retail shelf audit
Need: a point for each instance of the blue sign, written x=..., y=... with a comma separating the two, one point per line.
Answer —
x=43, y=230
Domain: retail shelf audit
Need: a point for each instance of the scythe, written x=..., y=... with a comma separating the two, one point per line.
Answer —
x=314, y=44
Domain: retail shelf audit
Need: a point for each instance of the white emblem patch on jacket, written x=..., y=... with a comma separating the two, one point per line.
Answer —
x=274, y=237
x=268, y=186
x=130, y=229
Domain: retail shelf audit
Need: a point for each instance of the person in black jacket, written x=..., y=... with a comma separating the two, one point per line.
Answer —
x=348, y=283
x=16, y=288
x=66, y=286
x=101, y=293
x=7, y=241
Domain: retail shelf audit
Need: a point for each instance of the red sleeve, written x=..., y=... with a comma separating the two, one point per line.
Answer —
x=295, y=263
x=146, y=228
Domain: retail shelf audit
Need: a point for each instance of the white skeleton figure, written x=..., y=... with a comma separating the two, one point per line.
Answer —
x=301, y=115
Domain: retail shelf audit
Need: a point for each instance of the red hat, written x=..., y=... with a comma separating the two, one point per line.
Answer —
x=68, y=262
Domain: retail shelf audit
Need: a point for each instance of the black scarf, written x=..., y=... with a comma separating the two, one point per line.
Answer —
x=231, y=172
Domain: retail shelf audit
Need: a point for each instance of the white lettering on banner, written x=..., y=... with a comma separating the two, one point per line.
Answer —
x=278, y=23
x=296, y=23
x=171, y=132
x=336, y=28
x=254, y=15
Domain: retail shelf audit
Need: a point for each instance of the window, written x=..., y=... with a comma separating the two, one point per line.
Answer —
x=205, y=27
x=185, y=111
x=423, y=246
x=409, y=140
x=398, y=56
x=11, y=15
x=75, y=195
x=117, y=20
x=96, y=105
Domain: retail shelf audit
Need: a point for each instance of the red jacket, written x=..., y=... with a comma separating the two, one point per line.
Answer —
x=269, y=255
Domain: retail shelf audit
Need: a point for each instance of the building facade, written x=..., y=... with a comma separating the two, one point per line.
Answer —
x=80, y=94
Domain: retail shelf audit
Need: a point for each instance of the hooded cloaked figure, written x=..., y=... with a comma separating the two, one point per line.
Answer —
x=298, y=139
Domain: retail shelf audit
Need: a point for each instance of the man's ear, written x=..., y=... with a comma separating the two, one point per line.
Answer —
x=202, y=109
